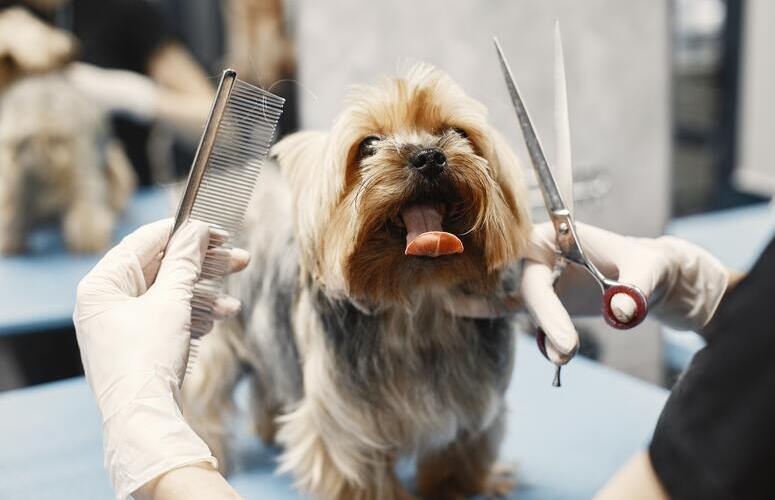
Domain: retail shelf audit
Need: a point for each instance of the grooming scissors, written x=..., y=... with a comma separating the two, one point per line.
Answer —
x=569, y=246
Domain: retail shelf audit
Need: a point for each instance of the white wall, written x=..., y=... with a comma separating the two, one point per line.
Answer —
x=755, y=171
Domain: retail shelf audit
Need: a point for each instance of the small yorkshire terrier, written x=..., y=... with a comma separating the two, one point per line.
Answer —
x=361, y=241
x=58, y=161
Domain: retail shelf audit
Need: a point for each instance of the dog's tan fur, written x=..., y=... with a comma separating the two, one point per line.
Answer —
x=58, y=161
x=354, y=355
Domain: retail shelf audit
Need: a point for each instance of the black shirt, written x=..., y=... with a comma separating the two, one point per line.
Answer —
x=118, y=34
x=715, y=438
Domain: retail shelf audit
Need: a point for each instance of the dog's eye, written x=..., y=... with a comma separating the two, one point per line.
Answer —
x=459, y=131
x=366, y=147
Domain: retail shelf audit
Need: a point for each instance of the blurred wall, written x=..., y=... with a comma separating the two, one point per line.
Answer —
x=755, y=169
x=618, y=82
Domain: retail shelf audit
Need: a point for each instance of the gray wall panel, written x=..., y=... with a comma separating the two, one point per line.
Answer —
x=617, y=64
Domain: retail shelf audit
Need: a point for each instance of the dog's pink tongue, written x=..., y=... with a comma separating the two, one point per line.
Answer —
x=424, y=236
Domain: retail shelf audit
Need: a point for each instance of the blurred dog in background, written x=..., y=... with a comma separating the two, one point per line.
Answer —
x=58, y=161
x=260, y=48
x=361, y=241
x=258, y=45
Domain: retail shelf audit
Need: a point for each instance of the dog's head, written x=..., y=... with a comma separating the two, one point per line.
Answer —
x=49, y=135
x=410, y=191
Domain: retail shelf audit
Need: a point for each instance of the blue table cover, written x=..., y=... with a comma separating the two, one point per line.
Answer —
x=37, y=289
x=565, y=442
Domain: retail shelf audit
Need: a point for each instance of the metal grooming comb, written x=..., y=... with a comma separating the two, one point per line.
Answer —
x=234, y=145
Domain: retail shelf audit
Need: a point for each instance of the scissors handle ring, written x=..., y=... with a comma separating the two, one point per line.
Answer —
x=641, y=305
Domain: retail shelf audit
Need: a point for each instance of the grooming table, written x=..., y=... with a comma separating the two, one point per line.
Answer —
x=736, y=237
x=565, y=442
x=37, y=290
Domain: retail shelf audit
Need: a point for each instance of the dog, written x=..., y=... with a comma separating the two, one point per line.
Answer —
x=258, y=46
x=59, y=162
x=361, y=239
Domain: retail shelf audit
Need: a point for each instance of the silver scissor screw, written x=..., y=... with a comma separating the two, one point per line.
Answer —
x=564, y=228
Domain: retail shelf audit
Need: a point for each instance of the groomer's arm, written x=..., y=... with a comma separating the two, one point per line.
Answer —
x=683, y=283
x=714, y=436
x=193, y=482
x=635, y=481
x=686, y=285
x=133, y=321
x=185, y=93
x=686, y=282
x=145, y=99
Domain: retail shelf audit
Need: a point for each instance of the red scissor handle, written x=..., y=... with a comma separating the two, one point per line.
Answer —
x=641, y=310
x=641, y=306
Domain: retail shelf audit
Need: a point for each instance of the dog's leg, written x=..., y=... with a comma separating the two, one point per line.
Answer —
x=88, y=227
x=11, y=214
x=207, y=391
x=264, y=409
x=330, y=463
x=465, y=468
x=89, y=219
x=11, y=223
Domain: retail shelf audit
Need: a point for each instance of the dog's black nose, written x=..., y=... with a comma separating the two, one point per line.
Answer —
x=430, y=162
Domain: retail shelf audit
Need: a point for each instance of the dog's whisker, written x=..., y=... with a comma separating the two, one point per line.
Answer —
x=362, y=187
x=296, y=82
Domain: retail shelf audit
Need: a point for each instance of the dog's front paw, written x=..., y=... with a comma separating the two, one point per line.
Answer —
x=12, y=223
x=452, y=480
x=501, y=482
x=11, y=243
x=266, y=428
x=88, y=229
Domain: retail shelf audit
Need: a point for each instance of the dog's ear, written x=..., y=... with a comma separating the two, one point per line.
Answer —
x=297, y=154
x=512, y=211
x=300, y=157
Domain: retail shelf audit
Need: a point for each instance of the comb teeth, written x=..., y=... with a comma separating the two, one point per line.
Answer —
x=234, y=145
x=241, y=144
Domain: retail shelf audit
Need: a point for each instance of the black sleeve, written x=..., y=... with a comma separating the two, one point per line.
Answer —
x=715, y=438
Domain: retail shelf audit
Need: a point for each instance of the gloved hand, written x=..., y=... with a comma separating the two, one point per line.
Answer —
x=133, y=327
x=118, y=91
x=682, y=282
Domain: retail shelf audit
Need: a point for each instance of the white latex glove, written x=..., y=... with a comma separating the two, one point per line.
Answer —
x=118, y=91
x=133, y=333
x=682, y=282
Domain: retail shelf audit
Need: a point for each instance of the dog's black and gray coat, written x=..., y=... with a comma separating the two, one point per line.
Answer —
x=349, y=386
x=358, y=353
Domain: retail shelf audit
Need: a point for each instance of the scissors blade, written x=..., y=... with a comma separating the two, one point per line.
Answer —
x=563, y=160
x=552, y=198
